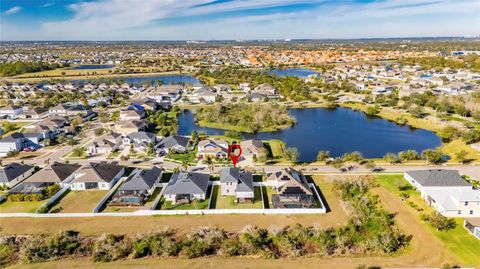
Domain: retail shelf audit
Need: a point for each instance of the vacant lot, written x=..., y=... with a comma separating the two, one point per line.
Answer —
x=21, y=207
x=79, y=202
x=227, y=202
x=464, y=246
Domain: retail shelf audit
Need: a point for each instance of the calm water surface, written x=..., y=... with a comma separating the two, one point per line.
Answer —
x=339, y=131
x=93, y=66
x=166, y=79
x=295, y=72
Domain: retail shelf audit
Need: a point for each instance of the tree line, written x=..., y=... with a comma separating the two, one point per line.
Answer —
x=18, y=68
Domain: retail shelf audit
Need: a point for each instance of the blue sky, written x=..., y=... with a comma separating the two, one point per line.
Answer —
x=234, y=19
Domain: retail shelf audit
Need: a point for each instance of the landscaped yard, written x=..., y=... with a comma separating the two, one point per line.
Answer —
x=458, y=240
x=195, y=204
x=21, y=207
x=227, y=202
x=79, y=202
x=181, y=157
x=146, y=206
x=275, y=148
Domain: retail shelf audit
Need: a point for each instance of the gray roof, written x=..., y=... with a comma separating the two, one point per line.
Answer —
x=174, y=140
x=191, y=183
x=12, y=171
x=244, y=180
x=141, y=136
x=438, y=178
x=142, y=180
x=56, y=172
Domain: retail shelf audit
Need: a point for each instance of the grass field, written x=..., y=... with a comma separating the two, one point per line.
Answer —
x=20, y=207
x=195, y=204
x=227, y=202
x=79, y=201
x=458, y=241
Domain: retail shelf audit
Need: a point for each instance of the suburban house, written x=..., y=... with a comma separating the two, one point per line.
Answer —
x=56, y=173
x=132, y=114
x=171, y=93
x=175, y=143
x=138, y=188
x=100, y=176
x=139, y=140
x=71, y=110
x=292, y=188
x=131, y=126
x=15, y=173
x=184, y=187
x=11, y=144
x=104, y=144
x=473, y=226
x=234, y=182
x=446, y=191
x=36, y=113
x=212, y=148
x=266, y=91
x=251, y=148
x=202, y=95
x=11, y=112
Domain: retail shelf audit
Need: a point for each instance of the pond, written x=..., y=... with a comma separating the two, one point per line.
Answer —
x=339, y=131
x=92, y=66
x=295, y=72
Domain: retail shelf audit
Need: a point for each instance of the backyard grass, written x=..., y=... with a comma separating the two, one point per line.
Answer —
x=229, y=202
x=267, y=196
x=275, y=148
x=181, y=157
x=458, y=241
x=79, y=201
x=21, y=207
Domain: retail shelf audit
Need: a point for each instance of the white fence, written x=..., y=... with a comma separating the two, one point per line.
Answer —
x=55, y=198
x=108, y=195
x=170, y=213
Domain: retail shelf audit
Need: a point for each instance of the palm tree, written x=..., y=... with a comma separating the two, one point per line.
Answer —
x=209, y=163
x=185, y=165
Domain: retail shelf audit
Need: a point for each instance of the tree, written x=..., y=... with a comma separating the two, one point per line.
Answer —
x=472, y=136
x=355, y=156
x=115, y=116
x=99, y=131
x=391, y=158
x=263, y=155
x=210, y=164
x=9, y=127
x=369, y=164
x=185, y=165
x=79, y=152
x=462, y=156
x=233, y=134
x=373, y=110
x=432, y=156
x=291, y=154
x=47, y=142
x=408, y=155
x=449, y=133
x=323, y=155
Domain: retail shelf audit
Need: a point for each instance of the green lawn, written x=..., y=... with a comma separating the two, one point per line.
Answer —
x=458, y=241
x=21, y=207
x=181, y=157
x=267, y=196
x=275, y=149
x=79, y=201
x=229, y=202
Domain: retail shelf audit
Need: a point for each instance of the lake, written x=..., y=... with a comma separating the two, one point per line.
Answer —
x=339, y=131
x=92, y=66
x=295, y=72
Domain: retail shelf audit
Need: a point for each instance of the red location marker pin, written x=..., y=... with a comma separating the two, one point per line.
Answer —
x=232, y=150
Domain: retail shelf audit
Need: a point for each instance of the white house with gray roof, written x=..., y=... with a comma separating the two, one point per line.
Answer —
x=138, y=188
x=446, y=191
x=15, y=173
x=175, y=143
x=184, y=187
x=234, y=182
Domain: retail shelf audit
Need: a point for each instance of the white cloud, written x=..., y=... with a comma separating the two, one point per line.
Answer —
x=13, y=10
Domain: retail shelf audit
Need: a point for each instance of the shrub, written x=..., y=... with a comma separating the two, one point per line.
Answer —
x=439, y=222
x=111, y=247
x=203, y=242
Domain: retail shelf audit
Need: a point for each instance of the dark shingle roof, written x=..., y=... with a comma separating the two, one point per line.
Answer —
x=192, y=183
x=142, y=179
x=12, y=171
x=438, y=178
x=171, y=141
x=243, y=179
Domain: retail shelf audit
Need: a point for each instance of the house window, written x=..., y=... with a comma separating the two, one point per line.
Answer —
x=459, y=212
x=471, y=212
x=228, y=190
x=466, y=203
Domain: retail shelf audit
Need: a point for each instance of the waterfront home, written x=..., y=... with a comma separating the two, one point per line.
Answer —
x=11, y=112
x=139, y=140
x=56, y=173
x=174, y=143
x=234, y=182
x=104, y=144
x=251, y=148
x=171, y=93
x=184, y=187
x=138, y=188
x=446, y=191
x=100, y=176
x=473, y=226
x=212, y=148
x=14, y=173
x=292, y=189
x=266, y=89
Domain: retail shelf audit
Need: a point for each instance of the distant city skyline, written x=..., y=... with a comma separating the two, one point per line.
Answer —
x=235, y=19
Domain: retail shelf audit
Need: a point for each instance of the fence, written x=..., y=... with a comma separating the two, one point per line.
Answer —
x=54, y=199
x=112, y=191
